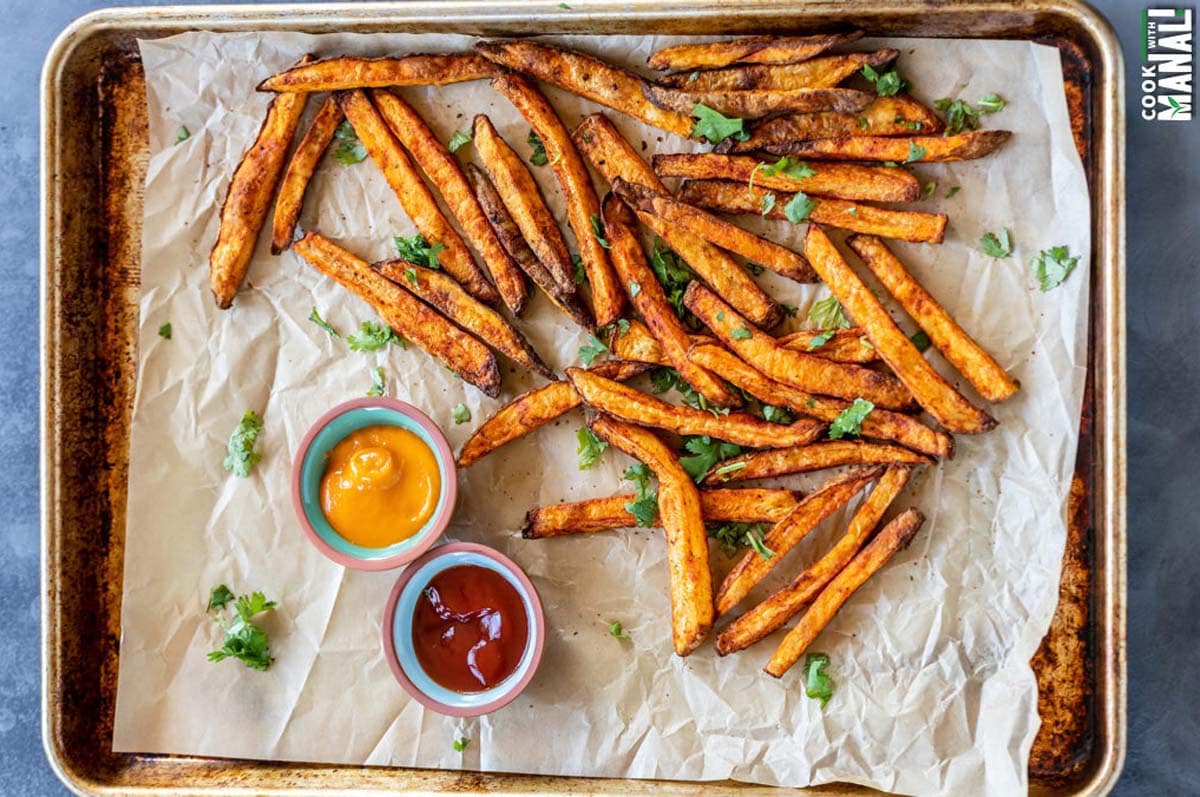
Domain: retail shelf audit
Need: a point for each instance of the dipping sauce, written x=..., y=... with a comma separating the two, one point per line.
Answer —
x=469, y=629
x=381, y=485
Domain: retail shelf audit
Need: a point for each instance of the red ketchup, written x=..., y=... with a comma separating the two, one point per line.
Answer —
x=469, y=628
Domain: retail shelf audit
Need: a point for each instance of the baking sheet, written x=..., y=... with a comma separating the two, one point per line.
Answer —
x=934, y=690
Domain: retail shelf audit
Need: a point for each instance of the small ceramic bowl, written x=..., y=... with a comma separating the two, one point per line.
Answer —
x=397, y=631
x=309, y=466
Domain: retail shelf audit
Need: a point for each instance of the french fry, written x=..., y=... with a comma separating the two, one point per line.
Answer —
x=798, y=369
x=523, y=199
x=735, y=198
x=776, y=610
x=534, y=409
x=634, y=406
x=681, y=515
x=979, y=367
x=806, y=459
x=757, y=103
x=598, y=139
x=716, y=231
x=419, y=323
x=415, y=198
x=885, y=116
x=583, y=206
x=818, y=73
x=587, y=77
x=915, y=149
x=753, y=50
x=895, y=536
x=299, y=171
x=843, y=346
x=879, y=423
x=638, y=345
x=446, y=175
x=348, y=72
x=846, y=346
x=565, y=299
x=930, y=389
x=648, y=298
x=784, y=535
x=447, y=296
x=603, y=514
x=249, y=196
x=835, y=180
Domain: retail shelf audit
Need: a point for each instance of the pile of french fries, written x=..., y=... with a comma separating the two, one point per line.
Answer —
x=496, y=235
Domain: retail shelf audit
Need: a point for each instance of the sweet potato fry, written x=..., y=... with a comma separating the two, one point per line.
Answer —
x=844, y=345
x=611, y=154
x=348, y=72
x=776, y=610
x=980, y=369
x=784, y=535
x=521, y=195
x=795, y=368
x=753, y=50
x=249, y=196
x=583, y=206
x=638, y=345
x=565, y=299
x=446, y=175
x=885, y=116
x=836, y=180
x=415, y=198
x=895, y=536
x=930, y=389
x=915, y=149
x=603, y=514
x=634, y=406
x=879, y=423
x=806, y=459
x=736, y=198
x=534, y=409
x=818, y=73
x=419, y=323
x=681, y=515
x=447, y=296
x=716, y=231
x=588, y=77
x=757, y=103
x=299, y=171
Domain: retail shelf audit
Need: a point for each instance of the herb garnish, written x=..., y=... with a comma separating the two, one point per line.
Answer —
x=373, y=337
x=457, y=140
x=1051, y=266
x=731, y=535
x=460, y=414
x=347, y=150
x=590, y=448
x=921, y=340
x=849, y=421
x=378, y=386
x=182, y=134
x=538, y=156
x=164, y=331
x=461, y=742
x=817, y=684
x=644, y=508
x=705, y=452
x=994, y=245
x=617, y=631
x=828, y=314
x=798, y=208
x=887, y=84
x=315, y=317
x=244, y=640
x=240, y=456
x=961, y=116
x=590, y=351
x=415, y=249
x=716, y=127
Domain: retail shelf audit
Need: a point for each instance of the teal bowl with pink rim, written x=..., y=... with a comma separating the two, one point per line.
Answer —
x=311, y=458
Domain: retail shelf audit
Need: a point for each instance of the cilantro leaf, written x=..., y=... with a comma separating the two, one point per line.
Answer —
x=991, y=103
x=410, y=274
x=997, y=246
x=598, y=231
x=790, y=310
x=315, y=317
x=664, y=379
x=372, y=337
x=817, y=684
x=820, y=340
x=741, y=333
x=732, y=535
x=754, y=268
x=828, y=314
x=347, y=149
x=674, y=276
x=774, y=414
x=887, y=84
x=240, y=456
x=705, y=452
x=754, y=538
x=457, y=140
x=915, y=153
x=849, y=421
x=244, y=640
x=590, y=351
x=461, y=742
x=247, y=606
x=378, y=386
x=580, y=271
x=415, y=249
x=921, y=340
x=219, y=596
x=164, y=331
x=961, y=116
x=768, y=203
x=732, y=467
x=590, y=448
x=716, y=127
x=616, y=630
x=928, y=189
x=1051, y=266
x=538, y=156
x=954, y=189
x=644, y=508
x=798, y=208
x=182, y=134
x=796, y=169
x=634, y=289
x=460, y=414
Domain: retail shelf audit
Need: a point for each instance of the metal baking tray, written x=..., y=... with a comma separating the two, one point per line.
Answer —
x=94, y=152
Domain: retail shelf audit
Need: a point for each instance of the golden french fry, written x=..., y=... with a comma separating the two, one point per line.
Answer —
x=681, y=515
x=534, y=409
x=843, y=346
x=735, y=198
x=446, y=175
x=846, y=346
x=798, y=369
x=634, y=406
x=776, y=610
x=979, y=367
x=249, y=196
x=603, y=514
x=784, y=535
x=930, y=389
x=836, y=180
x=893, y=537
x=415, y=198
x=419, y=323
x=299, y=171
x=348, y=72
x=638, y=345
x=753, y=50
x=885, y=116
x=818, y=73
x=583, y=206
x=598, y=139
x=757, y=103
x=806, y=459
x=914, y=149
x=587, y=77
x=447, y=296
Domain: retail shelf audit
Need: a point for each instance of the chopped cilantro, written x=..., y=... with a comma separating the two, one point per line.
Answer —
x=849, y=421
x=828, y=314
x=244, y=639
x=817, y=683
x=315, y=317
x=164, y=331
x=617, y=631
x=887, y=84
x=705, y=452
x=590, y=448
x=798, y=208
x=590, y=351
x=598, y=231
x=373, y=337
x=716, y=127
x=1051, y=266
x=538, y=156
x=415, y=249
x=378, y=386
x=994, y=245
x=457, y=140
x=240, y=456
x=460, y=414
x=347, y=150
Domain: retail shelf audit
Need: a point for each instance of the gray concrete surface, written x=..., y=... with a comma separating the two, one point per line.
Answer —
x=1164, y=420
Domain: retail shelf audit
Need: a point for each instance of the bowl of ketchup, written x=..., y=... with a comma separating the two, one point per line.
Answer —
x=463, y=630
x=374, y=483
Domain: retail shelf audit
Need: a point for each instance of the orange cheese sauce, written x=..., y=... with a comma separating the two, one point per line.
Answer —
x=381, y=485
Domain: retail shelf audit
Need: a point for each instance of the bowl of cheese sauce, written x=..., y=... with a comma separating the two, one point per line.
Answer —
x=374, y=483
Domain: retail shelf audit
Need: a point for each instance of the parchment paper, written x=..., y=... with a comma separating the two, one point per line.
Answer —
x=934, y=693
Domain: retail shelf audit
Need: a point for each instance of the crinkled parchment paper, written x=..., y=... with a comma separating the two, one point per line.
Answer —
x=934, y=693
